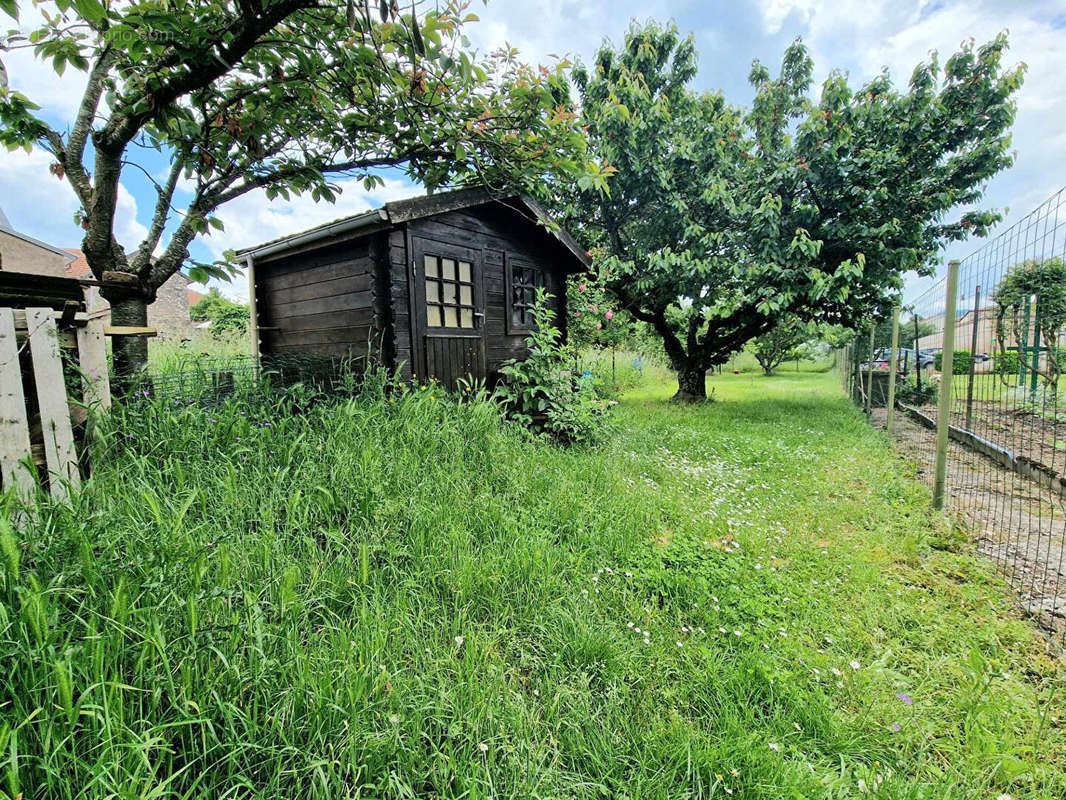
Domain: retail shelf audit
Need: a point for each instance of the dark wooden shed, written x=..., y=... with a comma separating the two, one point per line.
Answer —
x=440, y=286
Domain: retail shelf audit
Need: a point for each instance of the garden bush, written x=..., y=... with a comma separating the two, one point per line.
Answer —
x=960, y=362
x=542, y=393
x=1006, y=363
x=909, y=392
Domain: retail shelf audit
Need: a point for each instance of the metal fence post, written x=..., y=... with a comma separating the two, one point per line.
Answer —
x=947, y=362
x=893, y=363
x=868, y=404
x=973, y=357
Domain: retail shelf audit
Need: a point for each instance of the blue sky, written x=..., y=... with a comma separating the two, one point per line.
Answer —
x=851, y=35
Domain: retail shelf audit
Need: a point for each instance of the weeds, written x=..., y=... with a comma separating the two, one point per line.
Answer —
x=400, y=595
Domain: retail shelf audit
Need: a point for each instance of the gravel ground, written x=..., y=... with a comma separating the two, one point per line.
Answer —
x=1013, y=521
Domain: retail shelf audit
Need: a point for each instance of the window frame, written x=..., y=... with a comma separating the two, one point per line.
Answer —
x=442, y=254
x=514, y=263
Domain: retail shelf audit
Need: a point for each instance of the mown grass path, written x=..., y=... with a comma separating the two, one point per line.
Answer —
x=405, y=598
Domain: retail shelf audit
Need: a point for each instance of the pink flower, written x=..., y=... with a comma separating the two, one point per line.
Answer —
x=582, y=288
x=577, y=313
x=609, y=315
x=599, y=325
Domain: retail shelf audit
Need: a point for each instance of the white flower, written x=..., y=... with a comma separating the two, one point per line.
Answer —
x=737, y=633
x=484, y=748
x=459, y=640
x=679, y=644
x=854, y=664
x=636, y=630
x=837, y=672
x=629, y=624
x=1004, y=796
x=722, y=630
x=775, y=747
x=536, y=692
x=862, y=785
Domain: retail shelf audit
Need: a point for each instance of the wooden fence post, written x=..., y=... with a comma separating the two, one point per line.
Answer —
x=890, y=413
x=869, y=399
x=973, y=357
x=947, y=361
x=92, y=356
x=16, y=457
x=60, y=455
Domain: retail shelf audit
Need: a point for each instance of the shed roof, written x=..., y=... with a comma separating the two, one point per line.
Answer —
x=401, y=211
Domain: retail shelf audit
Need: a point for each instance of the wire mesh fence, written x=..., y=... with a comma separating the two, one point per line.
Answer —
x=1004, y=401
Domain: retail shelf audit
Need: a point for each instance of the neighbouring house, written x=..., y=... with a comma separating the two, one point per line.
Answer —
x=22, y=253
x=169, y=314
x=439, y=286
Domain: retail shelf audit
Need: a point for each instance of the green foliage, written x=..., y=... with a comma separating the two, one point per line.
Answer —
x=1005, y=362
x=1016, y=315
x=541, y=392
x=720, y=220
x=225, y=316
x=781, y=343
x=908, y=391
x=960, y=362
x=400, y=596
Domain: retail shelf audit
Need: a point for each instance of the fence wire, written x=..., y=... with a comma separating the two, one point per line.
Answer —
x=1006, y=458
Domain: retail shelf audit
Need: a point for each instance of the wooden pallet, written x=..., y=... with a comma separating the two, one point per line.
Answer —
x=37, y=417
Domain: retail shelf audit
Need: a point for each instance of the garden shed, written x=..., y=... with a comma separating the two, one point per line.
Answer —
x=440, y=286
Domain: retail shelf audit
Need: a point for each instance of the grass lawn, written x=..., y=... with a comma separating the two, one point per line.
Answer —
x=408, y=599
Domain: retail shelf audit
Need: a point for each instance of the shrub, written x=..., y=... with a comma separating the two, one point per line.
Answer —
x=542, y=393
x=960, y=362
x=1006, y=363
x=909, y=392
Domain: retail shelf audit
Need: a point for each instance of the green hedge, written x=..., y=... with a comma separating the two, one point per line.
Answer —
x=1006, y=363
x=960, y=362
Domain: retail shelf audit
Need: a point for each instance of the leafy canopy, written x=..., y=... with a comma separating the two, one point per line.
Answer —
x=721, y=220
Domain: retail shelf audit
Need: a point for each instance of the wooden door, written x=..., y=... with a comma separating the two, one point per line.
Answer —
x=449, y=309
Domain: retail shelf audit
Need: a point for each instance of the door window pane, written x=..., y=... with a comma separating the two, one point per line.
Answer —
x=449, y=293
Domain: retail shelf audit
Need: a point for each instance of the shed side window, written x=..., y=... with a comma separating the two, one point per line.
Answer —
x=449, y=293
x=524, y=284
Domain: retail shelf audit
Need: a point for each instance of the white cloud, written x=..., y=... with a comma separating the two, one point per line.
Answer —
x=44, y=206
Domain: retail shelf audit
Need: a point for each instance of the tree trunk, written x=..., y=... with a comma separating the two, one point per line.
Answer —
x=691, y=384
x=130, y=353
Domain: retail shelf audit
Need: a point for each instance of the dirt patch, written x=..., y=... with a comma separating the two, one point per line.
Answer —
x=1015, y=522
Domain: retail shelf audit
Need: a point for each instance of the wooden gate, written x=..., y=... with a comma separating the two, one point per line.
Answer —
x=37, y=416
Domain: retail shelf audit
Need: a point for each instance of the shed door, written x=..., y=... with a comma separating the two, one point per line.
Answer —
x=450, y=311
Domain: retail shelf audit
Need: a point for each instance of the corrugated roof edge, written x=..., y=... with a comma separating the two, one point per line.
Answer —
x=402, y=211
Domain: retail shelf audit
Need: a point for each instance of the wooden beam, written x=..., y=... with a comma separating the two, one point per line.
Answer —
x=92, y=355
x=15, y=452
x=59, y=450
x=253, y=314
x=129, y=330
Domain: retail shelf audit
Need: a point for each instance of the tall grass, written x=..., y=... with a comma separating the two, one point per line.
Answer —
x=400, y=596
